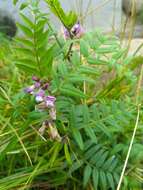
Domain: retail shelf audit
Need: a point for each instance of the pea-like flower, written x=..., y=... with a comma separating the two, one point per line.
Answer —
x=34, y=78
x=39, y=96
x=50, y=101
x=37, y=84
x=77, y=31
x=44, y=102
x=45, y=86
x=30, y=89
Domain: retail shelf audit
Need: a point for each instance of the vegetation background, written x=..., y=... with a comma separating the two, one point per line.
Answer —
x=98, y=90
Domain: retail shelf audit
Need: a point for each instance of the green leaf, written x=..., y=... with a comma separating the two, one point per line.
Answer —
x=26, y=67
x=90, y=133
x=75, y=59
x=25, y=30
x=67, y=154
x=96, y=61
x=75, y=166
x=75, y=130
x=62, y=68
x=74, y=78
x=25, y=42
x=95, y=178
x=72, y=91
x=26, y=51
x=103, y=181
x=86, y=175
x=86, y=121
x=113, y=165
x=106, y=50
x=89, y=154
x=83, y=48
x=71, y=19
x=103, y=128
x=68, y=19
x=57, y=148
x=88, y=70
x=95, y=157
x=110, y=180
x=27, y=21
x=78, y=137
x=47, y=60
x=15, y=2
x=57, y=9
x=24, y=5
x=107, y=163
x=101, y=159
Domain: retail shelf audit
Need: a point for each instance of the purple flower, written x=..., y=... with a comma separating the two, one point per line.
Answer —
x=39, y=97
x=66, y=33
x=37, y=84
x=50, y=100
x=34, y=78
x=45, y=86
x=30, y=89
x=76, y=31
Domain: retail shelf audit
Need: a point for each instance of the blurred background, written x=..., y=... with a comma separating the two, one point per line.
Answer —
x=104, y=14
x=123, y=17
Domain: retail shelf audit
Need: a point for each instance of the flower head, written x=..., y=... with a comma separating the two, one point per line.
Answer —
x=77, y=31
x=44, y=103
x=34, y=78
x=45, y=86
x=39, y=97
x=37, y=84
x=66, y=34
x=50, y=100
x=30, y=89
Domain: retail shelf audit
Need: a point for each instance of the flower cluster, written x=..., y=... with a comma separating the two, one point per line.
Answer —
x=39, y=91
x=77, y=31
x=44, y=101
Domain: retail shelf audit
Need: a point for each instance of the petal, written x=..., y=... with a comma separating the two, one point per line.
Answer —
x=39, y=98
x=29, y=90
x=34, y=78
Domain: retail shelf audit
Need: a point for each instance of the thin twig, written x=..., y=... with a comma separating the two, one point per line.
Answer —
x=130, y=148
x=55, y=35
x=69, y=52
x=139, y=86
x=135, y=128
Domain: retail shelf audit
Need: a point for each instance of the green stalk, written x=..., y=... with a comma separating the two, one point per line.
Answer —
x=135, y=129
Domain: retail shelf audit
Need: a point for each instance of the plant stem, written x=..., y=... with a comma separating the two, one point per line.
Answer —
x=69, y=52
x=70, y=48
x=139, y=86
x=130, y=148
x=135, y=129
x=35, y=49
x=55, y=35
